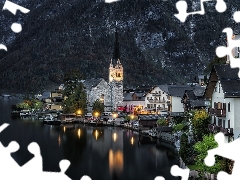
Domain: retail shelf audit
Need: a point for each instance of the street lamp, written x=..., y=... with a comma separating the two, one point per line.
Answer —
x=114, y=115
x=132, y=116
x=79, y=112
x=96, y=114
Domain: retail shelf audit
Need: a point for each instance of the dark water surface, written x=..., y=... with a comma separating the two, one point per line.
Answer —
x=103, y=153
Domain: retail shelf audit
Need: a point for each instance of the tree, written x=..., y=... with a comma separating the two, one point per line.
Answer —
x=200, y=120
x=74, y=93
x=98, y=106
x=71, y=81
x=76, y=99
x=23, y=105
x=162, y=122
x=201, y=148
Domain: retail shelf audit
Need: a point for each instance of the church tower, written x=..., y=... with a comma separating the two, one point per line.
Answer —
x=116, y=77
x=116, y=73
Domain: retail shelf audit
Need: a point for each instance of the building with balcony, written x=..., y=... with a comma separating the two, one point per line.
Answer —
x=168, y=98
x=223, y=89
x=156, y=99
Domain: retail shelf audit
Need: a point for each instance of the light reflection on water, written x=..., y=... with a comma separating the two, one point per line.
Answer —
x=103, y=153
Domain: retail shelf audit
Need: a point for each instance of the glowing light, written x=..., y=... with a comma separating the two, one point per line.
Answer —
x=115, y=115
x=96, y=134
x=64, y=129
x=115, y=161
x=96, y=114
x=132, y=141
x=114, y=137
x=59, y=140
x=79, y=112
x=132, y=116
x=79, y=133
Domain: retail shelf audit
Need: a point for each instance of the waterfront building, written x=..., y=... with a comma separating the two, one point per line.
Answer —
x=223, y=89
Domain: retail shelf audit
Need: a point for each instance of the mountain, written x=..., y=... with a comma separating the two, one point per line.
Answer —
x=155, y=47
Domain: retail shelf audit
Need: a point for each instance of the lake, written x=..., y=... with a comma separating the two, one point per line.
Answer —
x=103, y=153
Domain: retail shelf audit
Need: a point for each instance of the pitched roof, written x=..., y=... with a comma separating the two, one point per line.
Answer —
x=178, y=90
x=90, y=83
x=191, y=95
x=127, y=96
x=228, y=78
x=199, y=90
x=140, y=96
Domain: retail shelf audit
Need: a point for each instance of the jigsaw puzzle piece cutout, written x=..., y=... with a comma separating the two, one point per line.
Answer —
x=12, y=7
x=7, y=169
x=222, y=51
x=111, y=1
x=2, y=46
x=63, y=164
x=5, y=125
x=177, y=171
x=85, y=177
x=227, y=150
x=181, y=6
x=35, y=164
x=40, y=175
x=159, y=178
x=182, y=11
x=236, y=16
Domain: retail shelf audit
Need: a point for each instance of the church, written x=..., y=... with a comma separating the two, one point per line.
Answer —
x=110, y=93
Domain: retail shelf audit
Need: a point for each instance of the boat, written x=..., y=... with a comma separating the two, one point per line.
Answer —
x=153, y=133
x=25, y=112
x=67, y=118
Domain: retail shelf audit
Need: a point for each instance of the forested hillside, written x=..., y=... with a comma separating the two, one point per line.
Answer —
x=155, y=47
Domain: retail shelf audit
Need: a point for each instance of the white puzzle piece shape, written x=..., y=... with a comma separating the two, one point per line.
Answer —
x=227, y=150
x=222, y=51
x=182, y=9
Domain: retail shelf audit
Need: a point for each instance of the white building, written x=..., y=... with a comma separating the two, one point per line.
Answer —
x=224, y=91
x=157, y=99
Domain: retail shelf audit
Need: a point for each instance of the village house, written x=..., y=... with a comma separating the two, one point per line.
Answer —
x=156, y=100
x=52, y=99
x=223, y=90
x=194, y=99
x=133, y=101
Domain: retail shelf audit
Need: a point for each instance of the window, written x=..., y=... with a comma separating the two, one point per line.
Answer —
x=229, y=108
x=219, y=88
x=224, y=106
x=215, y=89
x=214, y=120
x=229, y=123
x=219, y=122
x=219, y=105
x=163, y=99
x=223, y=123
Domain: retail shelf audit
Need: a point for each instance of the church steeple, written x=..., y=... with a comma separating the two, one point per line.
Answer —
x=116, y=73
x=116, y=52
